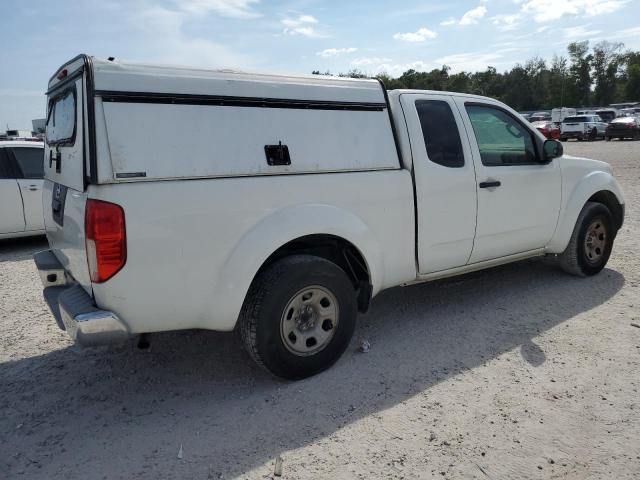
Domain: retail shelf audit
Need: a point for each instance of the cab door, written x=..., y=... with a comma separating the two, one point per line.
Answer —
x=11, y=215
x=518, y=194
x=445, y=181
x=30, y=166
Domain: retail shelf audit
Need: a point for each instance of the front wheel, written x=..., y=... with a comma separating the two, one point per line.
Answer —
x=591, y=242
x=299, y=316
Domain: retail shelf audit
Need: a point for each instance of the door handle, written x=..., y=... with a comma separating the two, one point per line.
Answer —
x=33, y=188
x=489, y=184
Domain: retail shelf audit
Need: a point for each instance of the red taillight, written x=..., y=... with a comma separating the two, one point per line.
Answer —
x=106, y=239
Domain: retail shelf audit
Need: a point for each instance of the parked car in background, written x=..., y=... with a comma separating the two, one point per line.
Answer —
x=630, y=112
x=559, y=114
x=257, y=225
x=623, y=127
x=21, y=173
x=607, y=114
x=540, y=117
x=548, y=129
x=582, y=127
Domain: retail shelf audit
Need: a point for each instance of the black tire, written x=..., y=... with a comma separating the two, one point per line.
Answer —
x=563, y=139
x=608, y=139
x=264, y=309
x=575, y=259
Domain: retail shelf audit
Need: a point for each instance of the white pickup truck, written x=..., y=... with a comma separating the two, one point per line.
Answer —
x=180, y=198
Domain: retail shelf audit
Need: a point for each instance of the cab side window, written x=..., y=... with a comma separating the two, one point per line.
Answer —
x=440, y=132
x=502, y=140
x=30, y=161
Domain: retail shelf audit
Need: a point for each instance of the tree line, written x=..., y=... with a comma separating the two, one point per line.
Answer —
x=586, y=77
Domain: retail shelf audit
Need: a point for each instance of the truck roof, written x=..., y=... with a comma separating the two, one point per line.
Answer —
x=441, y=92
x=121, y=76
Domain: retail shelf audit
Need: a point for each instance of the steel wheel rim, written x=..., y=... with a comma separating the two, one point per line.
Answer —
x=595, y=241
x=309, y=320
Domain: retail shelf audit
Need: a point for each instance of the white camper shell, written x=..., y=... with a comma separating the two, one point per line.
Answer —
x=182, y=198
x=170, y=103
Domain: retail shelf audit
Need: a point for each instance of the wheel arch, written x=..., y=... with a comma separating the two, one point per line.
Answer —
x=323, y=230
x=599, y=187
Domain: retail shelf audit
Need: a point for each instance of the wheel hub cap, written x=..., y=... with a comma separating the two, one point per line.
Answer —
x=309, y=320
x=595, y=241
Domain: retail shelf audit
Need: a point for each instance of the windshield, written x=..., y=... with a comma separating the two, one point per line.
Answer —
x=61, y=122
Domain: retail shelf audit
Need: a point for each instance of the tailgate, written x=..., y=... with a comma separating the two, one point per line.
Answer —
x=65, y=169
x=572, y=127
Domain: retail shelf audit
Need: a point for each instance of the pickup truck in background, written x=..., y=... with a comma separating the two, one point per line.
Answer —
x=279, y=206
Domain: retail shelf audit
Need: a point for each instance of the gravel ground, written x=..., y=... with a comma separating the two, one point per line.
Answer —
x=516, y=372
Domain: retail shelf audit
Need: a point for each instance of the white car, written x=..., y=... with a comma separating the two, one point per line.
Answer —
x=21, y=172
x=279, y=206
x=582, y=127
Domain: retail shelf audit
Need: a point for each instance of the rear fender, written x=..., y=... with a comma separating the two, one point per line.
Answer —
x=278, y=229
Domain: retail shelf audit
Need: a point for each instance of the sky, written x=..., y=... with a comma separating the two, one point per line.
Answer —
x=292, y=36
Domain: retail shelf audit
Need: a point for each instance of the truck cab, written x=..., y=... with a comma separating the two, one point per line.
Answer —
x=279, y=206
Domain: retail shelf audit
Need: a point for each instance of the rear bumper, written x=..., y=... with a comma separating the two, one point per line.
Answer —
x=74, y=309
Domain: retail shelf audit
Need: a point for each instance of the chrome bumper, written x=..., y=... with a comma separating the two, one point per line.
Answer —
x=74, y=309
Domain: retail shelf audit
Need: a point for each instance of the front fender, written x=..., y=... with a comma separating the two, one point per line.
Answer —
x=278, y=229
x=583, y=189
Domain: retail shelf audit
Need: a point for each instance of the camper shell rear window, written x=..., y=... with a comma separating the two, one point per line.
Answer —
x=61, y=119
x=575, y=120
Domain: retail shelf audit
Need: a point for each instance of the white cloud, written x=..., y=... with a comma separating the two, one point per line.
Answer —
x=506, y=22
x=448, y=21
x=302, y=25
x=368, y=61
x=224, y=8
x=422, y=35
x=549, y=10
x=579, y=32
x=470, y=62
x=630, y=32
x=167, y=42
x=334, y=52
x=397, y=69
x=473, y=16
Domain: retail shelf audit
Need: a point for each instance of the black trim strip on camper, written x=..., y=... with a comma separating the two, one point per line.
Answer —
x=393, y=124
x=91, y=121
x=230, y=101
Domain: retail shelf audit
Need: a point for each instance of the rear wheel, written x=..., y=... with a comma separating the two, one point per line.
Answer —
x=608, y=139
x=299, y=316
x=591, y=242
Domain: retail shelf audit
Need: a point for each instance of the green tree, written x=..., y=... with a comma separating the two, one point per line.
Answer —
x=579, y=88
x=606, y=64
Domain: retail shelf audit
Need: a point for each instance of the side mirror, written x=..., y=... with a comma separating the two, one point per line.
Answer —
x=552, y=149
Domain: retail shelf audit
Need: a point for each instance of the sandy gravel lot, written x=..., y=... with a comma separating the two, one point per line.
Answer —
x=517, y=372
